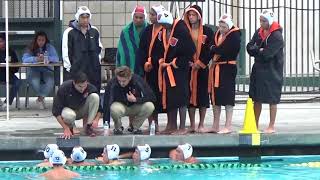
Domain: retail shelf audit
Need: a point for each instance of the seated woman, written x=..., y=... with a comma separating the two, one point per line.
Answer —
x=14, y=81
x=41, y=78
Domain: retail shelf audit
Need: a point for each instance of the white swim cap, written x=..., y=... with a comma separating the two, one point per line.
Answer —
x=269, y=15
x=145, y=152
x=82, y=10
x=112, y=150
x=78, y=154
x=49, y=149
x=158, y=8
x=58, y=158
x=227, y=18
x=186, y=149
x=165, y=17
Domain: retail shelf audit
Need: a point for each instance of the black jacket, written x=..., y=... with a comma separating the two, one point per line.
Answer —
x=266, y=78
x=68, y=96
x=14, y=59
x=81, y=52
x=115, y=93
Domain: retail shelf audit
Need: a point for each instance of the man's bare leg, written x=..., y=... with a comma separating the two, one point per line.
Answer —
x=172, y=122
x=216, y=119
x=257, y=111
x=273, y=113
x=182, y=127
x=202, y=113
x=227, y=127
x=192, y=114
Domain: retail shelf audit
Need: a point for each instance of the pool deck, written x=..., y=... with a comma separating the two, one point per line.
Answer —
x=297, y=124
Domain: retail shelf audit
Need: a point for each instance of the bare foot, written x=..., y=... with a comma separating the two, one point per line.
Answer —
x=167, y=131
x=192, y=130
x=212, y=130
x=225, y=131
x=269, y=130
x=180, y=132
x=204, y=130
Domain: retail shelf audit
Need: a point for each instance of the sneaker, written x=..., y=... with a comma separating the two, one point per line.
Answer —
x=89, y=130
x=41, y=104
x=130, y=129
x=118, y=131
x=137, y=131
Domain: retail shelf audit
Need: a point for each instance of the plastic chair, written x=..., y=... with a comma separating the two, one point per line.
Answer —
x=315, y=63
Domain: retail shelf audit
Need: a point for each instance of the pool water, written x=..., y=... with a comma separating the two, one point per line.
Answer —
x=279, y=167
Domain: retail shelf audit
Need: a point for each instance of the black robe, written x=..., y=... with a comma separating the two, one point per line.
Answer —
x=228, y=50
x=152, y=76
x=202, y=96
x=266, y=78
x=180, y=52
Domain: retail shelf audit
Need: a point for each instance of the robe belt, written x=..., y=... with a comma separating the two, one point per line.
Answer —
x=162, y=81
x=194, y=82
x=214, y=80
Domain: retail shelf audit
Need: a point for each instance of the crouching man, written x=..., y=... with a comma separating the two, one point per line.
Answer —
x=77, y=99
x=127, y=95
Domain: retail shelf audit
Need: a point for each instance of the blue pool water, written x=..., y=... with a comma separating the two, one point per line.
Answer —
x=280, y=167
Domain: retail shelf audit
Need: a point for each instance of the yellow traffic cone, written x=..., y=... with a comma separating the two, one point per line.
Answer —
x=249, y=125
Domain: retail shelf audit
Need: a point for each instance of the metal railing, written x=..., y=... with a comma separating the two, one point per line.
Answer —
x=301, y=26
x=29, y=8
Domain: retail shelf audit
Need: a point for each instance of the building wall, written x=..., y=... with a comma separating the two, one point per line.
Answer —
x=108, y=16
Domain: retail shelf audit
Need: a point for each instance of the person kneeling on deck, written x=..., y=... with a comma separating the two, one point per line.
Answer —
x=127, y=95
x=183, y=153
x=77, y=99
x=58, y=160
x=47, y=152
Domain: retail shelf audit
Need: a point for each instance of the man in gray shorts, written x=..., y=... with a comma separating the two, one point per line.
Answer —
x=77, y=99
x=129, y=95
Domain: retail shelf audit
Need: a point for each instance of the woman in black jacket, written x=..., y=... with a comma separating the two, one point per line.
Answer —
x=13, y=79
x=266, y=46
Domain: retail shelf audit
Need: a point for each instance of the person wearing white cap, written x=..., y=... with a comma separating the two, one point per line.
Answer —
x=47, y=152
x=177, y=50
x=110, y=155
x=202, y=37
x=78, y=157
x=183, y=153
x=223, y=71
x=130, y=39
x=81, y=48
x=266, y=79
x=58, y=160
x=148, y=57
x=142, y=153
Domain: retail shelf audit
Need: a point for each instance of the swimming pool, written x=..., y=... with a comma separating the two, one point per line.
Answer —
x=273, y=167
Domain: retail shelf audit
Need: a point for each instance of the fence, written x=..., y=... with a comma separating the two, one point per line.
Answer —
x=300, y=21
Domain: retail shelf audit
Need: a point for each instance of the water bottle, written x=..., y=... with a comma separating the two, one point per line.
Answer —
x=152, y=129
x=46, y=57
x=106, y=129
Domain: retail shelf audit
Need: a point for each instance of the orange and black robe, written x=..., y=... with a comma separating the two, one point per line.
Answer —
x=149, y=54
x=173, y=80
x=223, y=69
x=199, y=96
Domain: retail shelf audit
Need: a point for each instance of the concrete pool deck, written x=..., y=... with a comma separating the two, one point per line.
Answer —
x=297, y=124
